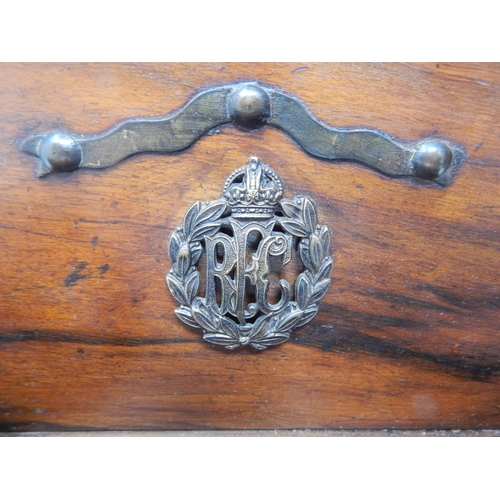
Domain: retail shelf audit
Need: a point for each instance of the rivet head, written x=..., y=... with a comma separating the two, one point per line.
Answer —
x=60, y=153
x=249, y=106
x=431, y=160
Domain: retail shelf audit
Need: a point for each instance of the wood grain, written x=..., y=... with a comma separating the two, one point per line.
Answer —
x=406, y=338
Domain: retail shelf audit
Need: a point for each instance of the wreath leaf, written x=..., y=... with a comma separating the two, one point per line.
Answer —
x=221, y=339
x=258, y=346
x=290, y=318
x=302, y=290
x=319, y=290
x=304, y=254
x=309, y=214
x=196, y=250
x=177, y=289
x=324, y=236
x=291, y=209
x=316, y=251
x=277, y=338
x=192, y=285
x=325, y=271
x=173, y=246
x=210, y=212
x=261, y=330
x=230, y=328
x=183, y=260
x=205, y=230
x=309, y=314
x=202, y=316
x=190, y=217
x=294, y=227
x=184, y=314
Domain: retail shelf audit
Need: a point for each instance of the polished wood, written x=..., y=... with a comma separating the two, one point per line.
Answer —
x=407, y=336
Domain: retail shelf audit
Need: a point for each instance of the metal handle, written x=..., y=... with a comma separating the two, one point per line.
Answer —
x=248, y=105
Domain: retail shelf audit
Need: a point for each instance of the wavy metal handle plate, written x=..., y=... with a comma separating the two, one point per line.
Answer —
x=249, y=105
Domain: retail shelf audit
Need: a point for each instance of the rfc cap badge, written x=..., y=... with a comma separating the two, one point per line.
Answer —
x=251, y=216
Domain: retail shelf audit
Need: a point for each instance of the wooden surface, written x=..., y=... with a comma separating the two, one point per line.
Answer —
x=407, y=336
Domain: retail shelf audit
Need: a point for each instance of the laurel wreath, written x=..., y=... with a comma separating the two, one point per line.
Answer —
x=185, y=249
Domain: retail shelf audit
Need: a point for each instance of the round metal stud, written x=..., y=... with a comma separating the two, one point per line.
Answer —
x=60, y=153
x=431, y=160
x=249, y=106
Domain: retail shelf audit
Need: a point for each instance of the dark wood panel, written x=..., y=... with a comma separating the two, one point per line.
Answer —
x=407, y=336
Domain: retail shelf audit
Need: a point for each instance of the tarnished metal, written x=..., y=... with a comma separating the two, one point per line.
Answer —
x=251, y=215
x=59, y=153
x=431, y=160
x=249, y=105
